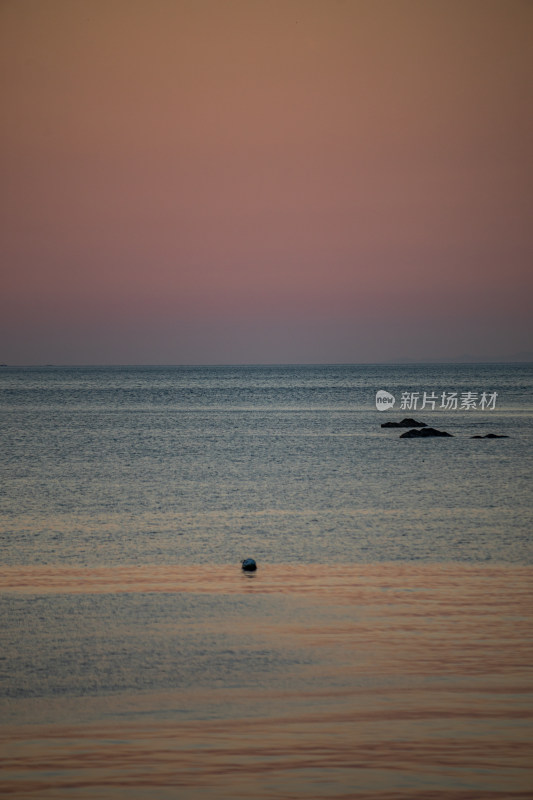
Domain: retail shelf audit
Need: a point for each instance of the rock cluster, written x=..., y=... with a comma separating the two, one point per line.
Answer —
x=421, y=429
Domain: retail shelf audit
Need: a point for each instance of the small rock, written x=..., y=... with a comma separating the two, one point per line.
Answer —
x=424, y=432
x=491, y=436
x=405, y=423
x=249, y=565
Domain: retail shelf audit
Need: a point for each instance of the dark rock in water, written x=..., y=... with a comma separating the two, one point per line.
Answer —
x=249, y=565
x=491, y=436
x=424, y=432
x=405, y=423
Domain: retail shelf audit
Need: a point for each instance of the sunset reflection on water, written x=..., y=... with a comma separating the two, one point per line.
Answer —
x=387, y=681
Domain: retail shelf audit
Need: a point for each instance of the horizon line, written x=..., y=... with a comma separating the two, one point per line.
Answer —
x=392, y=363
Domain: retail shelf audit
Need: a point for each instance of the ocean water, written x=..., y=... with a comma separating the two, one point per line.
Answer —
x=153, y=465
x=383, y=648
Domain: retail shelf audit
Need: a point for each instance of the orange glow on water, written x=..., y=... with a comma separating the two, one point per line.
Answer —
x=419, y=687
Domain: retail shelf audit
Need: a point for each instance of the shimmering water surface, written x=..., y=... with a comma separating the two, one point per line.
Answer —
x=113, y=466
x=383, y=648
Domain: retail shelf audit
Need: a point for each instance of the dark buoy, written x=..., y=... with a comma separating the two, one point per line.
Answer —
x=249, y=565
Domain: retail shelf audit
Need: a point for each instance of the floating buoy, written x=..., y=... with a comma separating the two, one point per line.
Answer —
x=249, y=565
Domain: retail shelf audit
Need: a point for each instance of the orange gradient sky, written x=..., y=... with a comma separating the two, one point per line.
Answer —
x=248, y=181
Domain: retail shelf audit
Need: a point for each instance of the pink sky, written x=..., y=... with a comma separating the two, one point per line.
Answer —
x=247, y=181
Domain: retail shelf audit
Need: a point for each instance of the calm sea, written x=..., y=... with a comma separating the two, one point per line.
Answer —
x=383, y=648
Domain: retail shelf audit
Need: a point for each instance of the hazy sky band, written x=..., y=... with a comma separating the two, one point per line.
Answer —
x=296, y=181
